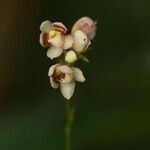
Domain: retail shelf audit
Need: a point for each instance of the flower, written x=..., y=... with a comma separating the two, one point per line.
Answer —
x=70, y=56
x=54, y=52
x=52, y=34
x=52, y=37
x=70, y=47
x=87, y=25
x=80, y=41
x=65, y=77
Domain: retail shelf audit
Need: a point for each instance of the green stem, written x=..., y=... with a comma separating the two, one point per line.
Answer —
x=68, y=127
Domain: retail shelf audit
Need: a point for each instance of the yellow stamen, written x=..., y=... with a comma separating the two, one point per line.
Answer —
x=58, y=72
x=52, y=34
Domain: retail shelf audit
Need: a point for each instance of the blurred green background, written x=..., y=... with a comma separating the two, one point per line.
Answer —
x=112, y=106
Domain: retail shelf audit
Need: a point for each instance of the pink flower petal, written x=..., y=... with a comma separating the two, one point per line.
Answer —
x=58, y=26
x=87, y=25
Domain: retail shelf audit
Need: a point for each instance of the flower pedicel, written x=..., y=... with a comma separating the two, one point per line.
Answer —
x=68, y=48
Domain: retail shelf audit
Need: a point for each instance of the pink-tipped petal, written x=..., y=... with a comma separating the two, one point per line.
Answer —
x=87, y=25
x=58, y=26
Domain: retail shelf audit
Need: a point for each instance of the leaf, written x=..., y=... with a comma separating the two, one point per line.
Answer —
x=84, y=58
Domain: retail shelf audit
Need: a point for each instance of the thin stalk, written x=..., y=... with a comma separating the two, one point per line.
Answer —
x=68, y=126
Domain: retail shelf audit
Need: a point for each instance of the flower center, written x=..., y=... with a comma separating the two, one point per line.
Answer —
x=52, y=34
x=58, y=75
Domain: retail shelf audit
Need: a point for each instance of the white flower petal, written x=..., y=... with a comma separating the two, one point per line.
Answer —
x=41, y=39
x=80, y=41
x=57, y=41
x=51, y=69
x=54, y=52
x=67, y=89
x=65, y=69
x=46, y=26
x=53, y=83
x=68, y=42
x=78, y=75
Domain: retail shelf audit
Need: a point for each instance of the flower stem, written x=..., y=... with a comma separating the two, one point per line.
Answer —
x=68, y=127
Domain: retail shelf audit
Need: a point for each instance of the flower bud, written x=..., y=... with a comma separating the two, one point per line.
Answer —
x=87, y=25
x=70, y=56
x=80, y=41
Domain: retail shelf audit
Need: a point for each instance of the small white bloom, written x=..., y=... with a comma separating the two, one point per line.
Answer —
x=65, y=76
x=60, y=73
x=71, y=56
x=80, y=41
x=52, y=34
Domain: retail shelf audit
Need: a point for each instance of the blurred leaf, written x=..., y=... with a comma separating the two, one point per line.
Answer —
x=84, y=58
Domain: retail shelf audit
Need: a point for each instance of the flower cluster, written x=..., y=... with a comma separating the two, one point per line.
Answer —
x=68, y=48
